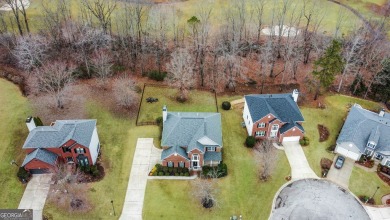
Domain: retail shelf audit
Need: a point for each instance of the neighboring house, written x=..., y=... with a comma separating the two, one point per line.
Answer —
x=69, y=141
x=365, y=133
x=191, y=139
x=273, y=116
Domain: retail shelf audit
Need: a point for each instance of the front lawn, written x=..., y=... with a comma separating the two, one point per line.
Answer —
x=333, y=118
x=14, y=110
x=241, y=192
x=365, y=183
x=118, y=137
x=199, y=101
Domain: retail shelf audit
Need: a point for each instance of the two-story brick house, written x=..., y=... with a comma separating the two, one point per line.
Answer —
x=273, y=116
x=68, y=141
x=191, y=139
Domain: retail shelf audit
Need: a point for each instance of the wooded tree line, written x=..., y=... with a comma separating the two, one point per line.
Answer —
x=251, y=42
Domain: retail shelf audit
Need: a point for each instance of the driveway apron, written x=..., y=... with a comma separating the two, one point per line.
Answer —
x=341, y=176
x=35, y=194
x=145, y=157
x=300, y=168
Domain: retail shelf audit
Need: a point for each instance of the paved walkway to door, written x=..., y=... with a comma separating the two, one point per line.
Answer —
x=145, y=157
x=34, y=196
x=300, y=168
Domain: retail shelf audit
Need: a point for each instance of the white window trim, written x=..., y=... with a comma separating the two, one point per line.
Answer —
x=261, y=125
x=212, y=148
x=195, y=160
x=260, y=133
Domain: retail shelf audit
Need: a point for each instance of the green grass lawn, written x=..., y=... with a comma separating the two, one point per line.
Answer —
x=365, y=183
x=118, y=136
x=333, y=118
x=14, y=110
x=239, y=193
x=199, y=101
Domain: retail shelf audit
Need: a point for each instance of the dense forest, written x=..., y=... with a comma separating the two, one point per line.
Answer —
x=248, y=43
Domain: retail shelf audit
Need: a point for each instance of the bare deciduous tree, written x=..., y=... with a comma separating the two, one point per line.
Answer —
x=181, y=72
x=14, y=5
x=205, y=189
x=102, y=63
x=54, y=78
x=265, y=155
x=124, y=92
x=31, y=51
x=101, y=10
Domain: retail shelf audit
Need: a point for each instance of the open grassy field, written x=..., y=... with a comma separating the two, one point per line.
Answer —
x=365, y=183
x=14, y=110
x=187, y=9
x=333, y=118
x=199, y=101
x=118, y=136
x=239, y=193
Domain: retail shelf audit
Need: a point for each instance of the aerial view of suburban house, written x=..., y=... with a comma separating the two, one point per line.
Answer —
x=191, y=139
x=365, y=133
x=273, y=116
x=68, y=141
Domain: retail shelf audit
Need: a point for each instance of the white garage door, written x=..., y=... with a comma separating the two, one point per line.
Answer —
x=292, y=138
x=347, y=153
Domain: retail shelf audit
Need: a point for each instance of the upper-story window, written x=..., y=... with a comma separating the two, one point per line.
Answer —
x=79, y=150
x=371, y=144
x=210, y=148
x=66, y=149
x=261, y=125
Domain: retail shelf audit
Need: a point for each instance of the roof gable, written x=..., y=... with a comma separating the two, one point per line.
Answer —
x=282, y=106
x=42, y=155
x=62, y=131
x=362, y=125
x=187, y=128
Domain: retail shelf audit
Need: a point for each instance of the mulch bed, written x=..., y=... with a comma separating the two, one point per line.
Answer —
x=368, y=163
x=88, y=178
x=324, y=132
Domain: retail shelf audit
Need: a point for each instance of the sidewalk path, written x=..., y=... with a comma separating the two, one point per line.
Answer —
x=382, y=213
x=300, y=168
x=145, y=157
x=34, y=196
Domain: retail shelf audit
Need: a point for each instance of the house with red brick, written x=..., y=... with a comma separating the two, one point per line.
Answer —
x=273, y=116
x=191, y=139
x=64, y=141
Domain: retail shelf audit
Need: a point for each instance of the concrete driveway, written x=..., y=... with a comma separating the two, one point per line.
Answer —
x=35, y=194
x=341, y=176
x=145, y=157
x=300, y=168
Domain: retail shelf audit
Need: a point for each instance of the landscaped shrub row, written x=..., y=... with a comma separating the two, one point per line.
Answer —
x=93, y=170
x=305, y=141
x=159, y=170
x=366, y=161
x=23, y=175
x=219, y=171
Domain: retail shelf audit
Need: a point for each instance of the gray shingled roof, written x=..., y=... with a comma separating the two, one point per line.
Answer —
x=359, y=127
x=281, y=106
x=172, y=150
x=186, y=129
x=290, y=125
x=215, y=156
x=42, y=155
x=62, y=131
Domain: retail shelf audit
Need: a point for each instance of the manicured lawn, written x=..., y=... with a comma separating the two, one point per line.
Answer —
x=14, y=110
x=333, y=118
x=239, y=193
x=118, y=137
x=199, y=101
x=365, y=183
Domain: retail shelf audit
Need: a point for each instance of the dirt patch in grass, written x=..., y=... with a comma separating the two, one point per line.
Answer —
x=324, y=132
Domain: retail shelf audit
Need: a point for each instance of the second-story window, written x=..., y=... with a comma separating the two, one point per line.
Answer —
x=79, y=150
x=210, y=148
x=261, y=125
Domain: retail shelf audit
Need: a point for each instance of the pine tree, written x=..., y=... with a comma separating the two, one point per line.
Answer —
x=327, y=66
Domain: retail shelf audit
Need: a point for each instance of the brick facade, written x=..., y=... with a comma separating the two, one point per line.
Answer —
x=176, y=160
x=37, y=164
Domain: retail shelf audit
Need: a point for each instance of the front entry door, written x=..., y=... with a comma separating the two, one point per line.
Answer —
x=195, y=161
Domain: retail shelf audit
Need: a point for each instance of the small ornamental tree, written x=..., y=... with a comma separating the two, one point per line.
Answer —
x=250, y=141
